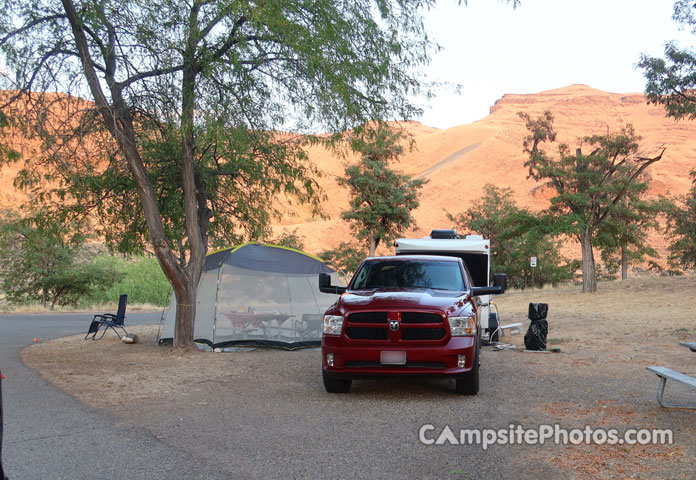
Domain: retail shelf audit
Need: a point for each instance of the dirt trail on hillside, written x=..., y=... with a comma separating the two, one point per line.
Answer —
x=451, y=158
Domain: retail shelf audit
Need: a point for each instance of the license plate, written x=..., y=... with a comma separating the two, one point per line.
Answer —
x=392, y=358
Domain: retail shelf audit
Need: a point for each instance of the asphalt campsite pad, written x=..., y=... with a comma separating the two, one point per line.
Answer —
x=265, y=413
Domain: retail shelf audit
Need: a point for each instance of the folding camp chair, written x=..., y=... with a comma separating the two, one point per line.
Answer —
x=310, y=326
x=107, y=321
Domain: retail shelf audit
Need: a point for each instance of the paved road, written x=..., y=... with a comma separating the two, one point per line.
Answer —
x=50, y=435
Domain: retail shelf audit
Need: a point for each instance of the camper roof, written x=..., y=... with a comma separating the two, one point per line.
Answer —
x=470, y=244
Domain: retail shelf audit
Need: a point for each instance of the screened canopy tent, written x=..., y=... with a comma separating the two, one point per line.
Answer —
x=258, y=295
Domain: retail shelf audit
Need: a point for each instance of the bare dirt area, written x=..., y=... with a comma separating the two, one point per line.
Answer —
x=265, y=412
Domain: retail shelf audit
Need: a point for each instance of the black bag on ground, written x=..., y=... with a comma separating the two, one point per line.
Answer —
x=535, y=338
x=538, y=311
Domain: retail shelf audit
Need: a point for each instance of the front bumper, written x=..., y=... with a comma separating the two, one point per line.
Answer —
x=363, y=361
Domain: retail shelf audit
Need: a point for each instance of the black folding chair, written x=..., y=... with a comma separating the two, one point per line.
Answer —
x=2, y=472
x=107, y=321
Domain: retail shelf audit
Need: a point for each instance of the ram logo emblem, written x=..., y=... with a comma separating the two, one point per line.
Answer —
x=393, y=325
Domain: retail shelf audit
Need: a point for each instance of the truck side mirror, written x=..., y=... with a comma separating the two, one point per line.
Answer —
x=499, y=286
x=500, y=280
x=326, y=287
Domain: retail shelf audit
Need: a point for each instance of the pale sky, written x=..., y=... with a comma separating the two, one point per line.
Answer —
x=491, y=49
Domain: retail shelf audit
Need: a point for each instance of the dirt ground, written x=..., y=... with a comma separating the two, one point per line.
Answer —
x=599, y=379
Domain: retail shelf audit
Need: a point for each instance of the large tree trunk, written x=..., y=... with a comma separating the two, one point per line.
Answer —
x=195, y=203
x=185, y=315
x=118, y=119
x=624, y=263
x=589, y=275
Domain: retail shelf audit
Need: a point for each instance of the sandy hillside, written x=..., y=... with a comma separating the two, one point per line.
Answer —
x=459, y=161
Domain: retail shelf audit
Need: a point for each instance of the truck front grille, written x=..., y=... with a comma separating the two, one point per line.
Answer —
x=368, y=317
x=420, y=317
x=367, y=333
x=422, y=333
x=414, y=326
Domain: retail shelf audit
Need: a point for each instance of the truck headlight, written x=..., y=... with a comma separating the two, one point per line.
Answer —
x=462, y=326
x=333, y=324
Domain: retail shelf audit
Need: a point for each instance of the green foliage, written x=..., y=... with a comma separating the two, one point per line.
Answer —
x=288, y=239
x=182, y=148
x=345, y=259
x=7, y=154
x=140, y=278
x=381, y=198
x=622, y=238
x=516, y=234
x=671, y=81
x=258, y=68
x=605, y=273
x=589, y=187
x=38, y=263
x=681, y=227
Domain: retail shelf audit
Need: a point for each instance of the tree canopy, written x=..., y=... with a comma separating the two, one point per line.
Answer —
x=588, y=187
x=516, y=234
x=671, y=81
x=622, y=238
x=181, y=145
x=681, y=227
x=345, y=258
x=381, y=198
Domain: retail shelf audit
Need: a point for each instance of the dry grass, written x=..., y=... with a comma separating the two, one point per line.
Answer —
x=612, y=461
x=106, y=372
x=659, y=309
x=614, y=333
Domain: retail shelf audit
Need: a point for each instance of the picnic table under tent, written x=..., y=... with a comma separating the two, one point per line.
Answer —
x=257, y=295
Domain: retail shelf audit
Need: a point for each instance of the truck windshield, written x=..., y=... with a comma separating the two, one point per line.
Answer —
x=410, y=274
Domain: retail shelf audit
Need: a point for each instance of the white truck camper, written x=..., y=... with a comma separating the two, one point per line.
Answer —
x=475, y=252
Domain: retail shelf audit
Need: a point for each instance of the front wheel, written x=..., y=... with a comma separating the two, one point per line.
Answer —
x=335, y=385
x=468, y=384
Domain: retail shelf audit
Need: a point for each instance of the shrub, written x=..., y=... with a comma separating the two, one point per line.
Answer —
x=141, y=278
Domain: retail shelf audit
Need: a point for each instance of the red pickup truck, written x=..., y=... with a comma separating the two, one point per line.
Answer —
x=404, y=315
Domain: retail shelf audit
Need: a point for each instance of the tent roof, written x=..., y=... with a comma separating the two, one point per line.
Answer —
x=267, y=258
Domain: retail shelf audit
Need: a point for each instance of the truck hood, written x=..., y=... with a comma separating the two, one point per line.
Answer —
x=399, y=299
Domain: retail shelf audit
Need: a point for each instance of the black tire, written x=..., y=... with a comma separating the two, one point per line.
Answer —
x=468, y=384
x=335, y=385
x=493, y=330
